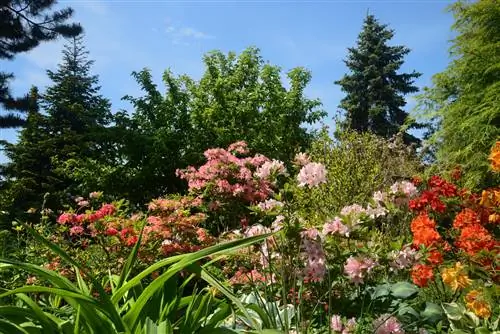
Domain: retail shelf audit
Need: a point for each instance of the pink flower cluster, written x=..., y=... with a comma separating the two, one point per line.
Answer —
x=76, y=219
x=271, y=168
x=337, y=326
x=269, y=204
x=353, y=213
x=227, y=176
x=387, y=324
x=301, y=159
x=406, y=188
x=336, y=227
x=357, y=268
x=312, y=174
x=404, y=259
x=315, y=263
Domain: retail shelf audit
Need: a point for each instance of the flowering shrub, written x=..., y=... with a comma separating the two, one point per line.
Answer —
x=417, y=256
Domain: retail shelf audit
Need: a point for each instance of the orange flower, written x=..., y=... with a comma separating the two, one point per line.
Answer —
x=421, y=274
x=494, y=218
x=475, y=238
x=455, y=277
x=466, y=217
x=435, y=257
x=495, y=157
x=424, y=231
x=490, y=198
x=476, y=303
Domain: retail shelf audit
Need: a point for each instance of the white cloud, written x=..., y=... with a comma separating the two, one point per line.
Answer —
x=182, y=35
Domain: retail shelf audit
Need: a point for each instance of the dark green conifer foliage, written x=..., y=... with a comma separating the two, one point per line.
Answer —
x=374, y=89
x=71, y=126
x=24, y=24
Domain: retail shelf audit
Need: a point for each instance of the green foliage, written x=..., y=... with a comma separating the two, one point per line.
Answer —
x=357, y=165
x=375, y=91
x=237, y=98
x=464, y=101
x=243, y=98
x=130, y=308
x=24, y=25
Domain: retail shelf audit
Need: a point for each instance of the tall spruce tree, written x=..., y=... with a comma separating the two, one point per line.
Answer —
x=464, y=100
x=374, y=89
x=72, y=125
x=23, y=25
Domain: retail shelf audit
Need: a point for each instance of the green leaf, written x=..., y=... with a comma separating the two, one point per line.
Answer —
x=47, y=324
x=482, y=330
x=432, y=312
x=453, y=311
x=404, y=290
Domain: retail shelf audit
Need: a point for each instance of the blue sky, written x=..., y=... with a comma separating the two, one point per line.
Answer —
x=127, y=35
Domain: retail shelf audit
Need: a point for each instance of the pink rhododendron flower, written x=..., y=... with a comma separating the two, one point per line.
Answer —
x=375, y=212
x=111, y=231
x=107, y=210
x=404, y=259
x=315, y=264
x=404, y=187
x=301, y=159
x=357, y=268
x=312, y=175
x=83, y=204
x=336, y=227
x=269, y=204
x=95, y=194
x=379, y=196
x=269, y=168
x=278, y=223
x=256, y=229
x=66, y=218
x=76, y=230
x=350, y=326
x=238, y=147
x=336, y=323
x=387, y=324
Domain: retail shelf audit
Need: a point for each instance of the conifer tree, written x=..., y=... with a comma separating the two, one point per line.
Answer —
x=464, y=100
x=374, y=89
x=72, y=125
x=24, y=24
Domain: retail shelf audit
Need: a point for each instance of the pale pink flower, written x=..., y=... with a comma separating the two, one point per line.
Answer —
x=79, y=199
x=95, y=194
x=278, y=223
x=83, y=204
x=378, y=211
x=354, y=209
x=256, y=229
x=301, y=159
x=357, y=268
x=336, y=323
x=315, y=264
x=387, y=324
x=404, y=187
x=403, y=259
x=379, y=196
x=336, y=227
x=269, y=204
x=312, y=175
x=350, y=326
x=269, y=168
